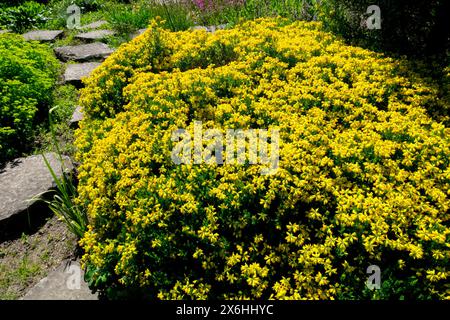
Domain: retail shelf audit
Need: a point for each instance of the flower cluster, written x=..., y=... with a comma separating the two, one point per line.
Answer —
x=363, y=174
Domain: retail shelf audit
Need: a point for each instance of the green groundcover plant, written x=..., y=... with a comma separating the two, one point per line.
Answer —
x=28, y=72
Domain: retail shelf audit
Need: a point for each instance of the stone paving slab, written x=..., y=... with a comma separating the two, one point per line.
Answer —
x=95, y=35
x=138, y=33
x=25, y=178
x=64, y=283
x=210, y=28
x=43, y=35
x=77, y=116
x=84, y=52
x=94, y=25
x=75, y=72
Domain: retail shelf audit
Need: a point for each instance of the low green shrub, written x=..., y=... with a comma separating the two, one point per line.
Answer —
x=28, y=73
x=23, y=17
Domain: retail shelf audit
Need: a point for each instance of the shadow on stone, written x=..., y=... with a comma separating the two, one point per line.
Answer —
x=26, y=222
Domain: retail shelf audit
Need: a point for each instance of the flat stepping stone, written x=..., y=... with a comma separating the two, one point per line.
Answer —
x=64, y=283
x=95, y=35
x=199, y=28
x=43, y=35
x=77, y=116
x=138, y=33
x=210, y=28
x=75, y=72
x=4, y=31
x=25, y=178
x=94, y=25
x=84, y=52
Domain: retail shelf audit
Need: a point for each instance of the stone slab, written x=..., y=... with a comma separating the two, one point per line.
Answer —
x=64, y=283
x=25, y=178
x=43, y=35
x=4, y=31
x=77, y=116
x=138, y=33
x=75, y=72
x=210, y=28
x=84, y=52
x=95, y=35
x=199, y=28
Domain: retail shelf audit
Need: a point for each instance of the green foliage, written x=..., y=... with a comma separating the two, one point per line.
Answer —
x=12, y=3
x=57, y=12
x=65, y=99
x=28, y=73
x=23, y=17
x=408, y=27
x=62, y=204
x=233, y=11
x=128, y=19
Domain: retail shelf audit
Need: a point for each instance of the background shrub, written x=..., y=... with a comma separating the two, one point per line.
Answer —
x=28, y=73
x=23, y=17
x=416, y=28
x=209, y=12
x=363, y=175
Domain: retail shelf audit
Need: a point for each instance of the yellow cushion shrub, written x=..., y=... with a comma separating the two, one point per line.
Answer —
x=363, y=176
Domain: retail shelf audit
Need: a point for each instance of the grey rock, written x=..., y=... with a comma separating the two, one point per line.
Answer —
x=94, y=25
x=141, y=31
x=221, y=26
x=43, y=35
x=77, y=116
x=199, y=28
x=25, y=178
x=75, y=72
x=84, y=52
x=4, y=31
x=210, y=28
x=95, y=35
x=138, y=33
x=64, y=283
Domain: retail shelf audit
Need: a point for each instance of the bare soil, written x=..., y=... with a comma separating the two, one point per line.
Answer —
x=27, y=259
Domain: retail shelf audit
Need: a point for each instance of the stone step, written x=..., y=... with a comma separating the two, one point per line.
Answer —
x=210, y=28
x=43, y=35
x=75, y=72
x=138, y=33
x=20, y=181
x=64, y=283
x=77, y=116
x=94, y=25
x=96, y=35
x=84, y=52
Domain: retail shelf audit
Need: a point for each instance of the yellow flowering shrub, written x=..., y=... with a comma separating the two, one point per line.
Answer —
x=363, y=174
